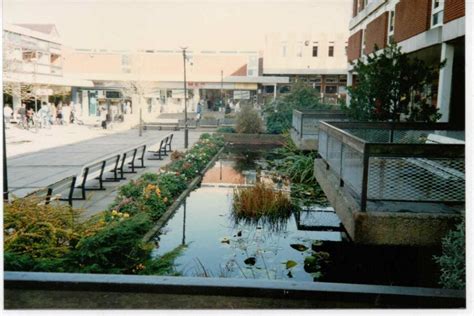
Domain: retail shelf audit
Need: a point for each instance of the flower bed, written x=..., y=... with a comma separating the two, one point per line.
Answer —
x=49, y=237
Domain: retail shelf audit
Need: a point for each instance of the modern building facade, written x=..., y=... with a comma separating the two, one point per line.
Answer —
x=317, y=59
x=33, y=63
x=210, y=75
x=314, y=54
x=432, y=30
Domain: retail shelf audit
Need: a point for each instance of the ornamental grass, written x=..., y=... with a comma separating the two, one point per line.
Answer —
x=261, y=201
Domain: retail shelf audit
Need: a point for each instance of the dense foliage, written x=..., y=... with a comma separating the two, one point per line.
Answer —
x=248, y=121
x=452, y=262
x=50, y=237
x=392, y=86
x=278, y=113
x=298, y=166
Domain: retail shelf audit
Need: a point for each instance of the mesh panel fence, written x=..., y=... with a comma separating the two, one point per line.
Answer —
x=416, y=179
x=352, y=168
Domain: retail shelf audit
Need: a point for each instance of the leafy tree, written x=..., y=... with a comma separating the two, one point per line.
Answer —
x=392, y=86
x=279, y=112
x=248, y=121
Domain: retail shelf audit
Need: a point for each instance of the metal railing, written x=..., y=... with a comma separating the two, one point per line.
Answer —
x=306, y=123
x=397, y=162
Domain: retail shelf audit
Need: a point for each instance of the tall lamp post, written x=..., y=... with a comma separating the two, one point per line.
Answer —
x=185, y=101
x=5, y=169
x=35, y=60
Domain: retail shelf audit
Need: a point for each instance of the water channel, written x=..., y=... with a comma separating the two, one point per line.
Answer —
x=310, y=245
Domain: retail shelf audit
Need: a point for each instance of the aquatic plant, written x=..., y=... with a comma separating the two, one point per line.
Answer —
x=261, y=201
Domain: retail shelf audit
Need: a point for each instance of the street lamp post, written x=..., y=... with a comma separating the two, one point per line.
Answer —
x=185, y=101
x=34, y=60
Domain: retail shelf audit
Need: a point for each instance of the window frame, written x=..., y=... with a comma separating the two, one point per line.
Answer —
x=312, y=53
x=435, y=11
x=331, y=53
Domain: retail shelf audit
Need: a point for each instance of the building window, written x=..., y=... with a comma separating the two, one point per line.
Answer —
x=299, y=50
x=362, y=47
x=315, y=51
x=330, y=80
x=284, y=89
x=437, y=13
x=391, y=27
x=269, y=89
x=331, y=89
x=331, y=51
x=283, y=49
x=317, y=88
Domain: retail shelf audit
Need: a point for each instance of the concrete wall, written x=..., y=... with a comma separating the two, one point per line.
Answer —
x=382, y=228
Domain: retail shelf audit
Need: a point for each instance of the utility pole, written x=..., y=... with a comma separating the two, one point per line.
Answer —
x=185, y=102
x=5, y=168
x=222, y=87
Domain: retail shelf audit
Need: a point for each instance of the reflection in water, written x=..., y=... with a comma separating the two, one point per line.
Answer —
x=219, y=247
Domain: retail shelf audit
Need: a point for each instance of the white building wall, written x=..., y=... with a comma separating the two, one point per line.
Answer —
x=298, y=58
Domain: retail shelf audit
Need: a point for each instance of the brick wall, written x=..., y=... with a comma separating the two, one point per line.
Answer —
x=376, y=33
x=454, y=9
x=412, y=17
x=354, y=46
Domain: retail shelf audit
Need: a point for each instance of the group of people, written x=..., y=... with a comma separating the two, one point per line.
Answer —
x=47, y=115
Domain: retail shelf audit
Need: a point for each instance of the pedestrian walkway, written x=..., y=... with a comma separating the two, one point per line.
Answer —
x=29, y=172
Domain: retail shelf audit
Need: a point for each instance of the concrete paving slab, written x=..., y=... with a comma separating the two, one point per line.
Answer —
x=35, y=170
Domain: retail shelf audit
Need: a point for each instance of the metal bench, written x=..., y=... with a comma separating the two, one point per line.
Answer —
x=56, y=191
x=141, y=158
x=168, y=142
x=128, y=160
x=162, y=123
x=160, y=149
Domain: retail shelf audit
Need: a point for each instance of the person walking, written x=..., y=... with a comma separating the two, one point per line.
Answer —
x=7, y=115
x=22, y=114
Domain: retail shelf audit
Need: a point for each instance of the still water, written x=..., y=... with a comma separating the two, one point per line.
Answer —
x=220, y=246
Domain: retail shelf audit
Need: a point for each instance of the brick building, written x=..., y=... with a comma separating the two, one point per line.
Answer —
x=432, y=30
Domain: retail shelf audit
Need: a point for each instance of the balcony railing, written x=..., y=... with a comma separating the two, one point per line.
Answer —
x=306, y=123
x=396, y=162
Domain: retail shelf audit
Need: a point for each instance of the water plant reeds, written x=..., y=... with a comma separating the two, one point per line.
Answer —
x=261, y=201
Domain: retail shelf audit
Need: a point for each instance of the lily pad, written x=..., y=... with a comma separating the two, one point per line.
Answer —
x=299, y=247
x=250, y=261
x=290, y=264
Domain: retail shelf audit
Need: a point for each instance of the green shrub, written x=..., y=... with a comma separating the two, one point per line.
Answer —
x=118, y=248
x=452, y=261
x=225, y=129
x=248, y=121
x=278, y=113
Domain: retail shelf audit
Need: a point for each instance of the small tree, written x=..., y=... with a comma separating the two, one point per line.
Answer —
x=279, y=112
x=391, y=84
x=139, y=89
x=248, y=121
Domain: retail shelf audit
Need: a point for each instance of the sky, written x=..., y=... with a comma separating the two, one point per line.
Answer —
x=166, y=24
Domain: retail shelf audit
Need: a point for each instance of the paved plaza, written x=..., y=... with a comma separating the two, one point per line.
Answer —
x=28, y=172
